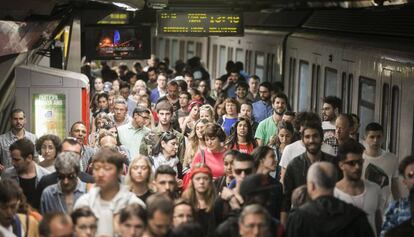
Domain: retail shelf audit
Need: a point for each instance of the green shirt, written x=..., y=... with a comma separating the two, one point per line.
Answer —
x=266, y=129
x=131, y=137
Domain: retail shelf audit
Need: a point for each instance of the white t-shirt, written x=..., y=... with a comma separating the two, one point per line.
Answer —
x=328, y=129
x=105, y=222
x=381, y=170
x=369, y=200
x=298, y=148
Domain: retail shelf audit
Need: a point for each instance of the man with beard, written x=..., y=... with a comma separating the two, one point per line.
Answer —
x=268, y=127
x=295, y=174
x=354, y=190
x=262, y=109
x=160, y=215
x=165, y=181
x=330, y=109
x=165, y=114
x=25, y=171
x=17, y=123
x=172, y=95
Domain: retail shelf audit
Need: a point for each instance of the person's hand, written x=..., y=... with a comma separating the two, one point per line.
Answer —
x=179, y=183
x=2, y=168
x=226, y=194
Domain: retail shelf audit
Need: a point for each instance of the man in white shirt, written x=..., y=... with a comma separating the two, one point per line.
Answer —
x=330, y=109
x=353, y=189
x=108, y=196
x=380, y=167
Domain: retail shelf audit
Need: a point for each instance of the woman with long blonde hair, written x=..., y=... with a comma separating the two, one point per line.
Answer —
x=201, y=194
x=139, y=177
x=195, y=142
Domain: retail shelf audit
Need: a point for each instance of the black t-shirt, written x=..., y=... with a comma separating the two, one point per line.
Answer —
x=29, y=189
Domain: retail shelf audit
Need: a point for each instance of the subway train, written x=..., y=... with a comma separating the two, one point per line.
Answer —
x=363, y=56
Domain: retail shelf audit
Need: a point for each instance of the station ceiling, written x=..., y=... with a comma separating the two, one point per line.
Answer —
x=23, y=9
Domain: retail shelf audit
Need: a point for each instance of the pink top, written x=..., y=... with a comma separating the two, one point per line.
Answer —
x=214, y=160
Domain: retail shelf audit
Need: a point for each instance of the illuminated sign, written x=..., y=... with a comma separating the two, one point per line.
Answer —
x=199, y=23
x=49, y=114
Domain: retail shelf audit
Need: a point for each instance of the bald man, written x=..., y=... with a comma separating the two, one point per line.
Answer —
x=326, y=215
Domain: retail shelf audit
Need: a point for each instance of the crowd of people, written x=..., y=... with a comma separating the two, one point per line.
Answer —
x=166, y=155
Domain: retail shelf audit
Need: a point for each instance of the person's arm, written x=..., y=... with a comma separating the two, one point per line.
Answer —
x=378, y=221
x=395, y=188
x=259, y=142
x=282, y=174
x=259, y=135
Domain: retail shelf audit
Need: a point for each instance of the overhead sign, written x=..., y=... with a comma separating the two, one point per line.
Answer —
x=199, y=23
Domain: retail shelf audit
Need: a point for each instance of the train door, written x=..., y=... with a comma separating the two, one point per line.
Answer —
x=390, y=108
x=317, y=85
x=291, y=75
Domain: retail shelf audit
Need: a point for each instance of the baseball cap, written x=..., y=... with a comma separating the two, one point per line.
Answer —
x=255, y=183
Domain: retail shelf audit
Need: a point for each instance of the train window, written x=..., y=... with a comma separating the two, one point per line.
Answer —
x=385, y=108
x=331, y=81
x=222, y=60
x=175, y=51
x=395, y=112
x=161, y=47
x=240, y=55
x=167, y=48
x=214, y=60
x=248, y=65
x=316, y=69
x=259, y=65
x=199, y=48
x=366, y=101
x=304, y=85
x=182, y=48
x=190, y=49
x=292, y=84
x=269, y=67
x=350, y=90
x=230, y=53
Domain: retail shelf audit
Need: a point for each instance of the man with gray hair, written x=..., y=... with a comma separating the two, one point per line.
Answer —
x=62, y=196
x=254, y=221
x=326, y=215
x=120, y=115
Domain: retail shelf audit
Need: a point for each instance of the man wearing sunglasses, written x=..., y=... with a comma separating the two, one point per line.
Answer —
x=230, y=197
x=354, y=190
x=399, y=211
x=131, y=135
x=62, y=196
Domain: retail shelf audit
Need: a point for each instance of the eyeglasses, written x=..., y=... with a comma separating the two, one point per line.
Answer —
x=85, y=227
x=354, y=162
x=68, y=176
x=246, y=171
x=144, y=117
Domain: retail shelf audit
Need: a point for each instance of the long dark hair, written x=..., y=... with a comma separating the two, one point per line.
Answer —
x=164, y=137
x=232, y=140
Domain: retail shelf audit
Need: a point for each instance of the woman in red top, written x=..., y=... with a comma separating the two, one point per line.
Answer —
x=213, y=156
x=241, y=137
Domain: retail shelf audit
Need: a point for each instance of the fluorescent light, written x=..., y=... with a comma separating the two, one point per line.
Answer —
x=125, y=6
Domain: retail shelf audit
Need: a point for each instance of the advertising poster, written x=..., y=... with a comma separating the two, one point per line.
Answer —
x=49, y=114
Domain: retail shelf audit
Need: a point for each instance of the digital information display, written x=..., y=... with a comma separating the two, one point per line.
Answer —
x=199, y=23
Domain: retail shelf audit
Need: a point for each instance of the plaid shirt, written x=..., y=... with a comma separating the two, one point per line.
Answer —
x=333, y=142
x=396, y=213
